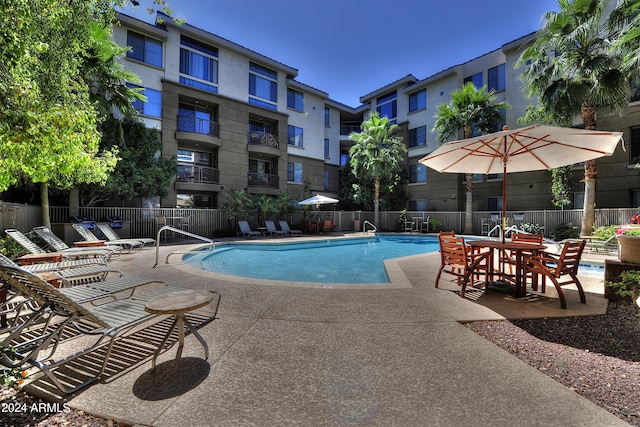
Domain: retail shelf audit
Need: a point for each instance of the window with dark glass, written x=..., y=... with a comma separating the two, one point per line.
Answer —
x=294, y=172
x=417, y=173
x=418, y=137
x=153, y=105
x=326, y=148
x=327, y=116
x=496, y=79
x=198, y=64
x=263, y=86
x=387, y=106
x=418, y=205
x=634, y=145
x=295, y=136
x=418, y=100
x=295, y=100
x=144, y=49
x=195, y=119
x=476, y=79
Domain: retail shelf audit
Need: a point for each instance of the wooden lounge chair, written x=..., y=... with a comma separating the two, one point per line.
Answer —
x=272, y=230
x=88, y=236
x=112, y=236
x=68, y=253
x=284, y=225
x=245, y=229
x=555, y=266
x=458, y=260
x=35, y=340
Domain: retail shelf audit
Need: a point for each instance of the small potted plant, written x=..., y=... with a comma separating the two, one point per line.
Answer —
x=628, y=236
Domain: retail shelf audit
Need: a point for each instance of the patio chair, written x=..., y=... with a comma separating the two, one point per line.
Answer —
x=58, y=245
x=245, y=229
x=284, y=225
x=508, y=258
x=112, y=236
x=35, y=340
x=272, y=230
x=67, y=253
x=458, y=260
x=556, y=266
x=88, y=236
x=327, y=226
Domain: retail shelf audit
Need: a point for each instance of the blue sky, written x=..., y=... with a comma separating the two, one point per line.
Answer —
x=349, y=48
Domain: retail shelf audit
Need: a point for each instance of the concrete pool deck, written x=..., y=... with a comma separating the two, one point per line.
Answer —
x=290, y=354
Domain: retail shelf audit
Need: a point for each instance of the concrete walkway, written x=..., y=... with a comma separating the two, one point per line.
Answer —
x=314, y=355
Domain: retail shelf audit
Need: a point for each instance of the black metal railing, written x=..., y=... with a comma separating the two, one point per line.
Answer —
x=198, y=125
x=264, y=180
x=198, y=174
x=263, y=138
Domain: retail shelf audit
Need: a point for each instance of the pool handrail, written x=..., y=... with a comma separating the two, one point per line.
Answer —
x=364, y=227
x=179, y=231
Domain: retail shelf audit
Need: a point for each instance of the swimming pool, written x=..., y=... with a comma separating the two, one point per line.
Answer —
x=346, y=260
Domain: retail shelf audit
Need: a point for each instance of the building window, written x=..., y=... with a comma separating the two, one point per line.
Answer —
x=476, y=79
x=577, y=200
x=144, y=49
x=295, y=136
x=418, y=205
x=634, y=145
x=417, y=173
x=387, y=106
x=196, y=200
x=634, y=197
x=478, y=177
x=495, y=177
x=294, y=172
x=295, y=100
x=418, y=100
x=198, y=65
x=496, y=78
x=327, y=117
x=263, y=86
x=326, y=181
x=326, y=148
x=418, y=137
x=494, y=203
x=153, y=106
x=195, y=119
x=344, y=159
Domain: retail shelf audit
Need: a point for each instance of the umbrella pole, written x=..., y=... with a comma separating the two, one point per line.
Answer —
x=504, y=190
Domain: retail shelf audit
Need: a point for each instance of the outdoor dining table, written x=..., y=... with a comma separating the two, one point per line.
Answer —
x=518, y=249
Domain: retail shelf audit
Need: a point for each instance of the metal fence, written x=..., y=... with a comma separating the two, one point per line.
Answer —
x=139, y=222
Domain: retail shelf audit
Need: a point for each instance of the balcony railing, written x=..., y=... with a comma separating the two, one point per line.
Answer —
x=263, y=180
x=198, y=174
x=198, y=125
x=349, y=129
x=264, y=138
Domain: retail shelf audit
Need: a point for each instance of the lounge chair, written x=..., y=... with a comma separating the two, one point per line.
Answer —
x=272, y=230
x=603, y=247
x=112, y=236
x=88, y=236
x=34, y=341
x=58, y=245
x=284, y=225
x=245, y=229
x=69, y=253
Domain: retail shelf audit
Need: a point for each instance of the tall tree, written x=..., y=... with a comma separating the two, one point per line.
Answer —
x=576, y=71
x=377, y=154
x=48, y=125
x=476, y=112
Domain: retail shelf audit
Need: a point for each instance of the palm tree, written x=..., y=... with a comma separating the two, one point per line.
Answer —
x=576, y=70
x=476, y=112
x=377, y=154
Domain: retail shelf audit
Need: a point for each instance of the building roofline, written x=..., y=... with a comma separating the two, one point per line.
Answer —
x=299, y=85
x=141, y=25
x=409, y=79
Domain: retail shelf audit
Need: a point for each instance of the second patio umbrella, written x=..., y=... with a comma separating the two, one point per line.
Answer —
x=318, y=200
x=530, y=148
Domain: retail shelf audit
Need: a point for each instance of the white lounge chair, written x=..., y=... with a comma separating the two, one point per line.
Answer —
x=67, y=253
x=245, y=229
x=88, y=236
x=272, y=230
x=112, y=236
x=284, y=225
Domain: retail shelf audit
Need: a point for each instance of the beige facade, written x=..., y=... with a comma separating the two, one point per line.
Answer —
x=227, y=134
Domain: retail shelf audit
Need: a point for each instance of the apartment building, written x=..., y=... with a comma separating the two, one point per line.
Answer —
x=236, y=119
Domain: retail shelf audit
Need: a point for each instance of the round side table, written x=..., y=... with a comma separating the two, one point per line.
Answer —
x=177, y=304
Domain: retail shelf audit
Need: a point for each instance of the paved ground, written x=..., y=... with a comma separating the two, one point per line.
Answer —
x=312, y=355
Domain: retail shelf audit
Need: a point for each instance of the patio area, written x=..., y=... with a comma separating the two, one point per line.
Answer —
x=300, y=354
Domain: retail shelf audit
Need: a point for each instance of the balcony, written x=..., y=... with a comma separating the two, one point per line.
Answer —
x=195, y=129
x=198, y=174
x=346, y=130
x=263, y=143
x=263, y=180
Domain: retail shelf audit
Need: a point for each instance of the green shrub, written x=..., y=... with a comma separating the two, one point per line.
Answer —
x=9, y=247
x=564, y=231
x=605, y=232
x=532, y=228
x=628, y=285
x=435, y=225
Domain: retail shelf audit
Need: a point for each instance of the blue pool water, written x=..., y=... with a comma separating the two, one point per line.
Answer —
x=358, y=260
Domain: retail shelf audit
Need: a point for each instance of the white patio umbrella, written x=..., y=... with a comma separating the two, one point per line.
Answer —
x=318, y=200
x=530, y=148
